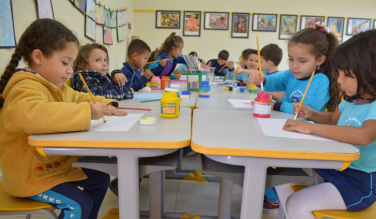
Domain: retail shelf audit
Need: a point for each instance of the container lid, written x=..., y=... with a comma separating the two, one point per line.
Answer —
x=204, y=83
x=186, y=92
x=155, y=78
x=166, y=77
x=262, y=95
x=170, y=94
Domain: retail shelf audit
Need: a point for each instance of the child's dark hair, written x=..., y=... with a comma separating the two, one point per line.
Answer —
x=172, y=41
x=193, y=53
x=321, y=43
x=272, y=52
x=82, y=60
x=138, y=46
x=47, y=35
x=357, y=58
x=223, y=55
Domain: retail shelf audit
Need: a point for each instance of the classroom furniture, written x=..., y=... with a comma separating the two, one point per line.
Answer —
x=220, y=101
x=167, y=136
x=241, y=142
x=10, y=205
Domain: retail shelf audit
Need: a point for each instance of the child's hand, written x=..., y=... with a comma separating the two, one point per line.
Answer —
x=254, y=77
x=111, y=110
x=98, y=110
x=148, y=74
x=298, y=125
x=304, y=110
x=230, y=64
x=163, y=62
x=120, y=79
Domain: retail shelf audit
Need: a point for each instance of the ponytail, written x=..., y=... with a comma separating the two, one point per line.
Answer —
x=173, y=40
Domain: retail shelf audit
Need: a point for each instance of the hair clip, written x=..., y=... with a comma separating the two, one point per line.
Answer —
x=321, y=27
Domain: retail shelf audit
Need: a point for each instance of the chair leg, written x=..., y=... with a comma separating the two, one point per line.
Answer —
x=28, y=216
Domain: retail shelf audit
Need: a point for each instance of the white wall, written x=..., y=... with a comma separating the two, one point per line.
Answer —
x=212, y=41
x=25, y=12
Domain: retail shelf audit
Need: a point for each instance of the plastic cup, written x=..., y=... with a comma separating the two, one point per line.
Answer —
x=210, y=72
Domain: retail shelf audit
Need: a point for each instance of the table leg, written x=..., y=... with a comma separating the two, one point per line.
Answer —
x=128, y=187
x=155, y=193
x=225, y=198
x=253, y=191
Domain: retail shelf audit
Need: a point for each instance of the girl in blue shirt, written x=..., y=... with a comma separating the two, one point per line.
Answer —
x=354, y=122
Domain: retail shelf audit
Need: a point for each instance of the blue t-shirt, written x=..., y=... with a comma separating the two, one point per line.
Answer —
x=355, y=114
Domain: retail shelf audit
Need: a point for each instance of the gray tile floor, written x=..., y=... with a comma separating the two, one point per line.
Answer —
x=195, y=198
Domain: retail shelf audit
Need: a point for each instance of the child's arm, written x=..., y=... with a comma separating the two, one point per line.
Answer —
x=118, y=77
x=139, y=83
x=157, y=67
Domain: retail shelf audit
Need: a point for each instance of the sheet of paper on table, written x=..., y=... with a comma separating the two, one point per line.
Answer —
x=115, y=123
x=274, y=128
x=241, y=103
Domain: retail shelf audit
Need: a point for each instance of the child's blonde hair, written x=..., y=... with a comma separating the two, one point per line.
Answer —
x=82, y=61
x=172, y=41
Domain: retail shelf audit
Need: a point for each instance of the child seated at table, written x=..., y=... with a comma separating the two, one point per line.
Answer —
x=250, y=60
x=92, y=63
x=138, y=55
x=222, y=65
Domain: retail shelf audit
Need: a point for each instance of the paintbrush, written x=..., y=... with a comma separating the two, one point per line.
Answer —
x=259, y=61
x=305, y=92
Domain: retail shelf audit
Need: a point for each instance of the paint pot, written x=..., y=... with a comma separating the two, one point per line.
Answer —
x=263, y=105
x=155, y=83
x=165, y=83
x=204, y=89
x=170, y=105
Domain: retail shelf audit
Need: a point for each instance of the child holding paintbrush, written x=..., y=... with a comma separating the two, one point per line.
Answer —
x=221, y=65
x=130, y=76
x=92, y=62
x=354, y=122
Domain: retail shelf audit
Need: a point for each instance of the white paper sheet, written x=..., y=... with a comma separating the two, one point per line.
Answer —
x=147, y=96
x=241, y=103
x=115, y=123
x=274, y=128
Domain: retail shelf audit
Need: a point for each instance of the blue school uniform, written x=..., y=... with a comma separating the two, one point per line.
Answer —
x=217, y=71
x=159, y=70
x=139, y=80
x=357, y=184
x=317, y=95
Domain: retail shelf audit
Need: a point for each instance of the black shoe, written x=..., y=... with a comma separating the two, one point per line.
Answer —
x=270, y=205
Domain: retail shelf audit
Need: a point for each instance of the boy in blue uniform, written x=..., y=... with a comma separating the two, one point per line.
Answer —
x=221, y=65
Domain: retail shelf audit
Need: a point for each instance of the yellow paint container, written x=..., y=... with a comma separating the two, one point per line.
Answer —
x=170, y=105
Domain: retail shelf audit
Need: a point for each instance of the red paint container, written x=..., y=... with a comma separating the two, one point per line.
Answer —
x=263, y=105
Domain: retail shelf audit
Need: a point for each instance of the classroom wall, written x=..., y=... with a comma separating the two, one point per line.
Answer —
x=212, y=41
x=25, y=12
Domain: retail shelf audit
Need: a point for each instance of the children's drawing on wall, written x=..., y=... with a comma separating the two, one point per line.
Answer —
x=44, y=8
x=357, y=25
x=240, y=25
x=120, y=33
x=80, y=4
x=335, y=26
x=216, y=20
x=310, y=21
x=168, y=19
x=264, y=22
x=7, y=37
x=288, y=26
x=90, y=9
x=107, y=35
x=90, y=28
x=113, y=19
x=192, y=23
x=99, y=14
x=107, y=18
x=121, y=18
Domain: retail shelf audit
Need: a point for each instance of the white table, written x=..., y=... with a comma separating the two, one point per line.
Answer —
x=235, y=137
x=167, y=136
x=220, y=101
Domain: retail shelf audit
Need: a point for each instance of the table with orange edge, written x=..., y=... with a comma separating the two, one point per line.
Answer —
x=167, y=136
x=241, y=142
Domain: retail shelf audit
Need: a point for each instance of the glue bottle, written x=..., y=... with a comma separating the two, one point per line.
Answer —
x=170, y=105
x=263, y=105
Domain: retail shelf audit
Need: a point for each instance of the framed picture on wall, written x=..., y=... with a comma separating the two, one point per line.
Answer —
x=167, y=19
x=287, y=26
x=335, y=26
x=240, y=25
x=90, y=28
x=107, y=35
x=44, y=8
x=81, y=5
x=120, y=33
x=121, y=18
x=99, y=14
x=8, y=38
x=357, y=25
x=216, y=21
x=264, y=22
x=90, y=8
x=310, y=21
x=192, y=23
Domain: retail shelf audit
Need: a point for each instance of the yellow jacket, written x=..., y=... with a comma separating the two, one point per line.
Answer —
x=34, y=106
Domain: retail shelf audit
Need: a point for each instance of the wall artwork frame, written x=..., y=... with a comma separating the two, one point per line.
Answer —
x=167, y=19
x=264, y=22
x=288, y=25
x=121, y=17
x=90, y=28
x=357, y=25
x=90, y=8
x=7, y=33
x=216, y=20
x=107, y=35
x=44, y=9
x=307, y=21
x=81, y=5
x=99, y=14
x=192, y=23
x=336, y=26
x=120, y=33
x=240, y=25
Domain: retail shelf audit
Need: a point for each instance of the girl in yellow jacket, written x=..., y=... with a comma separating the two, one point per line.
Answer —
x=35, y=100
